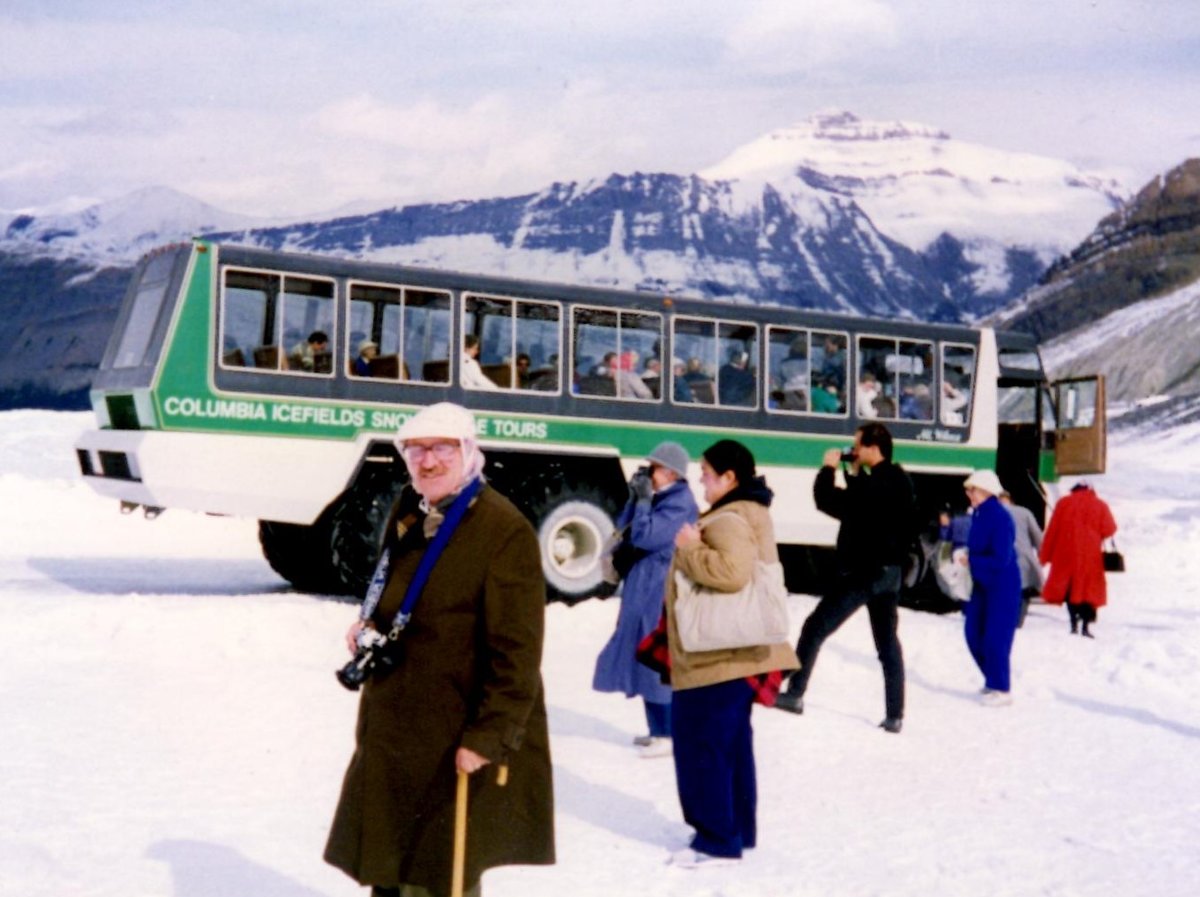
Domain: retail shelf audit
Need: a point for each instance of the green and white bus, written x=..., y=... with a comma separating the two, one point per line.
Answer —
x=212, y=397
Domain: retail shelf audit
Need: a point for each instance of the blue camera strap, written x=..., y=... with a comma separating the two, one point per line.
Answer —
x=454, y=516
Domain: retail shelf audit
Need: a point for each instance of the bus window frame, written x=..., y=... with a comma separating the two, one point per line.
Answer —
x=968, y=410
x=275, y=316
x=557, y=304
x=620, y=314
x=755, y=356
x=403, y=289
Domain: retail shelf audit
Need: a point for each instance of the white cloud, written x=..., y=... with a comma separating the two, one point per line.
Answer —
x=811, y=36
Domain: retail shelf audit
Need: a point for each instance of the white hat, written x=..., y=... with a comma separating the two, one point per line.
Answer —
x=366, y=344
x=985, y=481
x=445, y=419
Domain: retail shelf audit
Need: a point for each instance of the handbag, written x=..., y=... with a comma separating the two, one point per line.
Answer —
x=711, y=620
x=1114, y=561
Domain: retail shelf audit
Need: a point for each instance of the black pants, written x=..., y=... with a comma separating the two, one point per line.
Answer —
x=1080, y=613
x=835, y=609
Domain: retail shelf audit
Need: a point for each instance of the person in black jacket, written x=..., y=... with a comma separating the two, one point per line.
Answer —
x=877, y=509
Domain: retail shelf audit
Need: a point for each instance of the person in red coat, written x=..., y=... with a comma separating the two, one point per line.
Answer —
x=1080, y=523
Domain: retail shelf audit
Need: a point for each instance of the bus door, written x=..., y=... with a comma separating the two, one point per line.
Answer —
x=1079, y=425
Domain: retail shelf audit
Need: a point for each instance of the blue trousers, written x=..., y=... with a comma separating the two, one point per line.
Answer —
x=990, y=626
x=714, y=766
x=658, y=719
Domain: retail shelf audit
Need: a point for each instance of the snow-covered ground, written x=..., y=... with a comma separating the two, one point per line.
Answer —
x=170, y=724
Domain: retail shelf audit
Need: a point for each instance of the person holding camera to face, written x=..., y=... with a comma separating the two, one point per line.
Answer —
x=447, y=653
x=660, y=503
x=878, y=514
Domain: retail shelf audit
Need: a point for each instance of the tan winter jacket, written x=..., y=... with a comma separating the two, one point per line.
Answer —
x=724, y=560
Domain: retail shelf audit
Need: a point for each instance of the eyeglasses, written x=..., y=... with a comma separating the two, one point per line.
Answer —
x=442, y=451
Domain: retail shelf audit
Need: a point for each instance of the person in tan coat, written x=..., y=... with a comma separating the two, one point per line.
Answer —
x=463, y=692
x=713, y=691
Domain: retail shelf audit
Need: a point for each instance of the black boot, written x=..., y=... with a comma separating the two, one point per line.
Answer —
x=790, y=701
x=1086, y=633
x=892, y=724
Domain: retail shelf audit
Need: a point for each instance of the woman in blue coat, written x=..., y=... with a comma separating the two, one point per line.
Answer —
x=995, y=605
x=660, y=502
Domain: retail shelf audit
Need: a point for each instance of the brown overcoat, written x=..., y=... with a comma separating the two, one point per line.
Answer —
x=469, y=676
x=724, y=560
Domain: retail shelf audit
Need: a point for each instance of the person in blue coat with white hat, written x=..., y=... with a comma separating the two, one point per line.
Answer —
x=995, y=606
x=660, y=503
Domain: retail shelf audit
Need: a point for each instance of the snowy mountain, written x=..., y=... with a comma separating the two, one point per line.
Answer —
x=120, y=231
x=885, y=219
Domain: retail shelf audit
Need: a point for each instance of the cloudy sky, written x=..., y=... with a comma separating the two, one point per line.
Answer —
x=289, y=107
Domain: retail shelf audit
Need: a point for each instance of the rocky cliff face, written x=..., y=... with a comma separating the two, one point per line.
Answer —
x=1126, y=302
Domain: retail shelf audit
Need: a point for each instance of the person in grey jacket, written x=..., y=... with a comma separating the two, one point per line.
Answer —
x=660, y=503
x=1029, y=541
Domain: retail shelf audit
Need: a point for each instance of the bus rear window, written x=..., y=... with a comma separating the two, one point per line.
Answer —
x=147, y=303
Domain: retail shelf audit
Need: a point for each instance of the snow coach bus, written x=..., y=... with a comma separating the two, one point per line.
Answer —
x=268, y=385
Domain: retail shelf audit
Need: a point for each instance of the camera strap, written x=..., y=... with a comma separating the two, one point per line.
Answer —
x=429, y=558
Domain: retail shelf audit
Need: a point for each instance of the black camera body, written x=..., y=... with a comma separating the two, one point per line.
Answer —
x=376, y=652
x=847, y=456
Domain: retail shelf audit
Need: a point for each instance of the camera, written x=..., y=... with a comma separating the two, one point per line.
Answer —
x=372, y=651
x=847, y=456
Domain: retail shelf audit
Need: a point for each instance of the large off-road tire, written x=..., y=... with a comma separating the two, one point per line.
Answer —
x=357, y=520
x=572, y=526
x=300, y=554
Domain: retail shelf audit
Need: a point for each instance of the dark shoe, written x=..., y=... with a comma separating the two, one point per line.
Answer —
x=792, y=703
x=892, y=724
x=1087, y=634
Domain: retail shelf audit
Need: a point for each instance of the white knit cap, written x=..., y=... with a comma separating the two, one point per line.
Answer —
x=985, y=481
x=445, y=419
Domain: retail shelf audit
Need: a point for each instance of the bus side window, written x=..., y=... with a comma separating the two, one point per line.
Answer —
x=737, y=378
x=425, y=336
x=247, y=315
x=695, y=342
x=306, y=313
x=609, y=349
x=914, y=367
x=958, y=374
x=787, y=363
x=828, y=370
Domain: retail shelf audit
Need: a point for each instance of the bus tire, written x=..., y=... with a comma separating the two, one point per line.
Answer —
x=357, y=521
x=300, y=554
x=572, y=526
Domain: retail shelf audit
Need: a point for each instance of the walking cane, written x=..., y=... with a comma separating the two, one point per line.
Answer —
x=460, y=836
x=460, y=828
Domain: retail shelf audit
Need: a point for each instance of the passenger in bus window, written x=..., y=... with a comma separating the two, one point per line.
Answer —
x=826, y=398
x=735, y=382
x=652, y=376
x=681, y=390
x=628, y=383
x=916, y=402
x=523, y=375
x=304, y=355
x=833, y=361
x=866, y=395
x=472, y=375
x=367, y=350
x=953, y=402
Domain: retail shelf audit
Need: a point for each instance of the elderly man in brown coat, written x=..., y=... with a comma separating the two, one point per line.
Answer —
x=462, y=691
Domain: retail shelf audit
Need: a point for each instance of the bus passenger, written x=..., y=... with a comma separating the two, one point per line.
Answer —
x=680, y=390
x=826, y=397
x=472, y=374
x=303, y=356
x=865, y=396
x=523, y=375
x=833, y=361
x=629, y=383
x=953, y=401
x=367, y=350
x=735, y=383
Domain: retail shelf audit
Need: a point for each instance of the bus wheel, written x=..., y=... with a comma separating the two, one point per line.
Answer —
x=572, y=527
x=356, y=526
x=300, y=554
